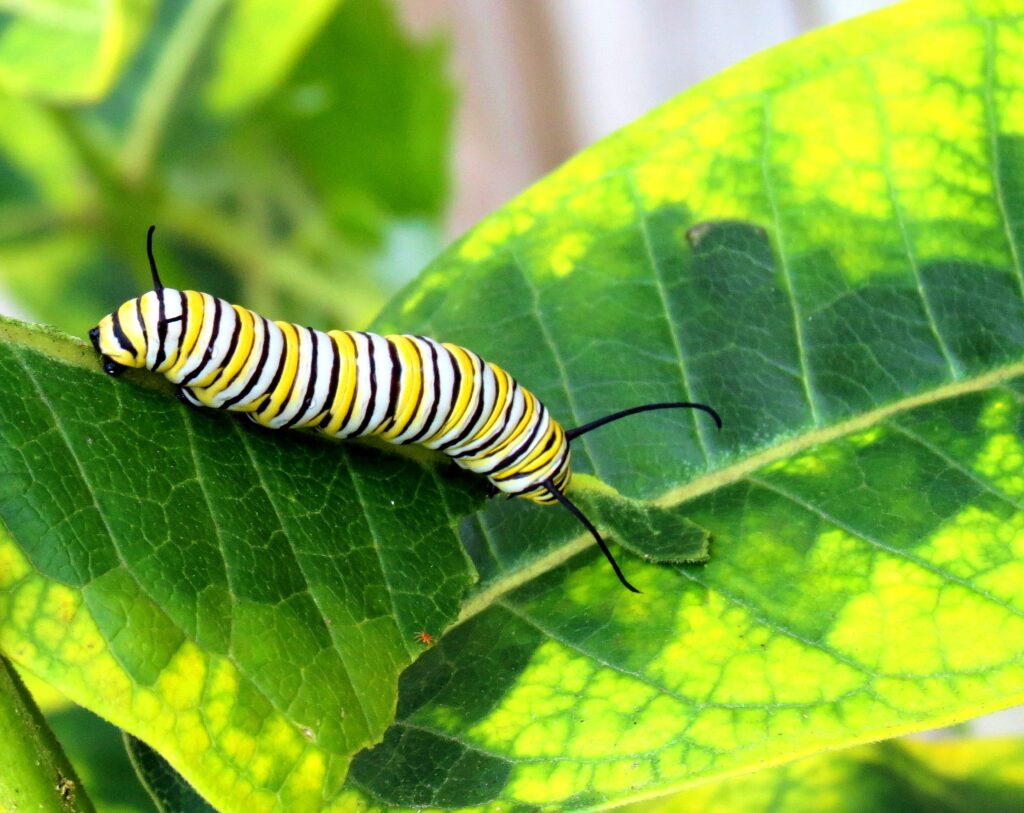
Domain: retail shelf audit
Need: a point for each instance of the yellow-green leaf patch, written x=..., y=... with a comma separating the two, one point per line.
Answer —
x=242, y=603
x=910, y=776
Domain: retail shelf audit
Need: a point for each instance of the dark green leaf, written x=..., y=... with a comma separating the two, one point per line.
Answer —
x=824, y=245
x=172, y=793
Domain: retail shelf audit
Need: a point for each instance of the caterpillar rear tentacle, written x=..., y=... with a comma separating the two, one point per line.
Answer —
x=403, y=389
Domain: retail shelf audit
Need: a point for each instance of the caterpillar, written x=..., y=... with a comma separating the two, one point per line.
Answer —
x=403, y=389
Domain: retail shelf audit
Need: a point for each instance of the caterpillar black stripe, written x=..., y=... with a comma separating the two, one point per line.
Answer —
x=404, y=389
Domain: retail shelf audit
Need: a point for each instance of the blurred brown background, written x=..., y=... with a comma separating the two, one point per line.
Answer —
x=541, y=79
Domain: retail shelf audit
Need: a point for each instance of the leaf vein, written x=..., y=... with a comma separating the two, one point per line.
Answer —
x=882, y=546
x=257, y=470
x=787, y=272
x=659, y=284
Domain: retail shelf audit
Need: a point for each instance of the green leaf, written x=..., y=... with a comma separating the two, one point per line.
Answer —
x=823, y=244
x=67, y=50
x=654, y=533
x=912, y=777
x=96, y=750
x=245, y=606
x=374, y=126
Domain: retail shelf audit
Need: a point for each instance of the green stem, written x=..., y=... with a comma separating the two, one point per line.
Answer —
x=165, y=81
x=268, y=269
x=35, y=774
x=92, y=155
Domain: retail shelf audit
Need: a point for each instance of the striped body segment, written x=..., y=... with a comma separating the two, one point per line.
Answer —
x=403, y=389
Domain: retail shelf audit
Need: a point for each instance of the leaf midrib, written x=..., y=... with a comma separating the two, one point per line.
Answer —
x=740, y=470
x=68, y=350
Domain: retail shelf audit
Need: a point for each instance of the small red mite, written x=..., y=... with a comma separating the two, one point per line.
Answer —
x=425, y=638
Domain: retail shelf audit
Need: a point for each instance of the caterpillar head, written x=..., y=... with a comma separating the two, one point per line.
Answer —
x=144, y=331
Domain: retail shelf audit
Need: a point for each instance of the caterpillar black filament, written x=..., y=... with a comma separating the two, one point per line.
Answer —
x=403, y=389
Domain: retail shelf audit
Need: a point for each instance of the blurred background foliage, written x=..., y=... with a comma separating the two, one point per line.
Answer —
x=306, y=158
x=292, y=155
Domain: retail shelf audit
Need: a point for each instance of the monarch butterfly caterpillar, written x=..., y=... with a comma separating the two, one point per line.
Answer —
x=403, y=389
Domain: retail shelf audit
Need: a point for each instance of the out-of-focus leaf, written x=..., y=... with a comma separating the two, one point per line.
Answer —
x=280, y=204
x=96, y=749
x=78, y=275
x=371, y=129
x=262, y=39
x=904, y=776
x=67, y=50
x=245, y=605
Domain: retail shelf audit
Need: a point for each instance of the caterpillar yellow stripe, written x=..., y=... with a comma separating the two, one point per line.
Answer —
x=402, y=388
